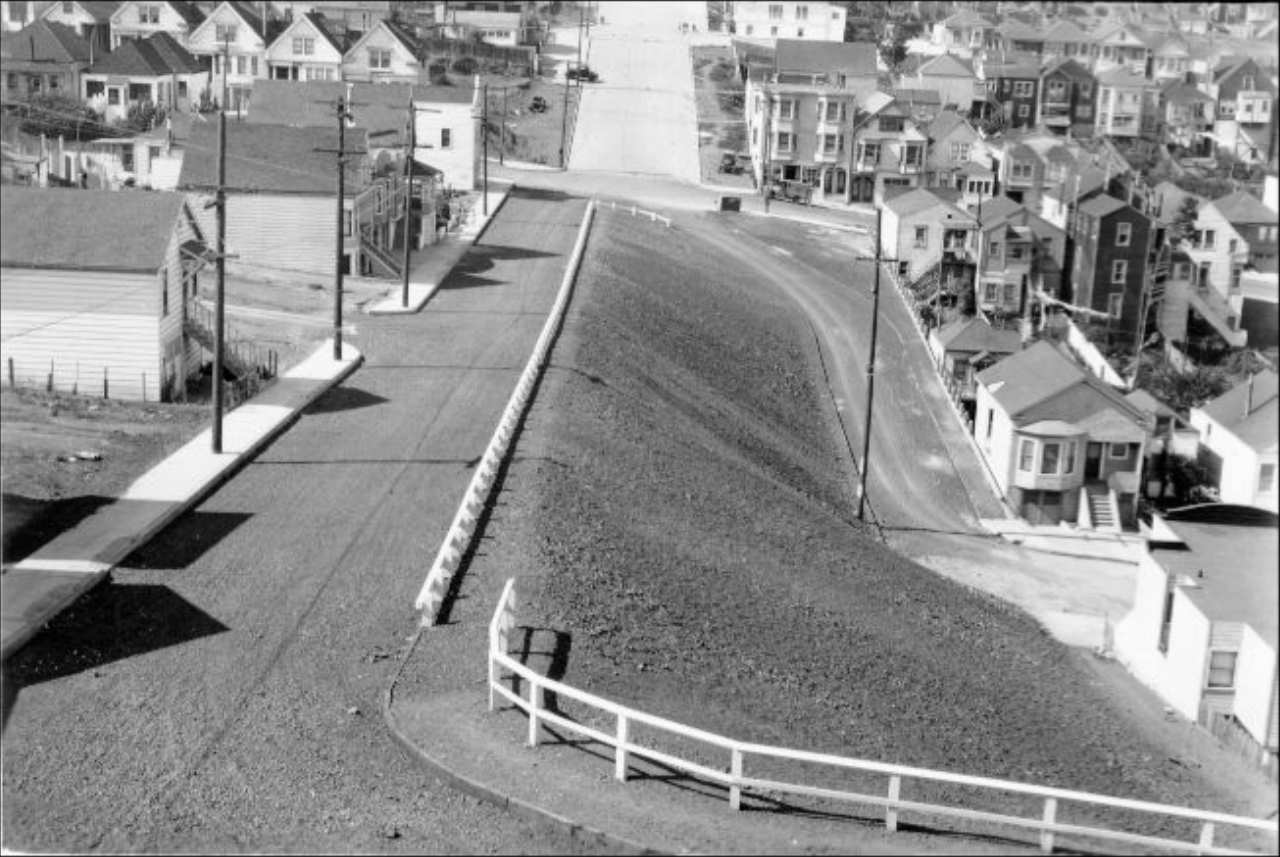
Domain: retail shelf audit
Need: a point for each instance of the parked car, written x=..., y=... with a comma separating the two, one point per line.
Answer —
x=730, y=164
x=791, y=191
x=539, y=104
x=582, y=72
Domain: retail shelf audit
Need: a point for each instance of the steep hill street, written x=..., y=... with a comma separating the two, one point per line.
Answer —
x=223, y=692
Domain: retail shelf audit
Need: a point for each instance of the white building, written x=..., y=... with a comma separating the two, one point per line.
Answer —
x=818, y=21
x=307, y=50
x=1238, y=441
x=1202, y=631
x=244, y=37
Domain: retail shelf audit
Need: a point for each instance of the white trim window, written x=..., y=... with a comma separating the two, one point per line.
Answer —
x=379, y=58
x=1118, y=451
x=786, y=142
x=1221, y=673
x=1022, y=89
x=922, y=237
x=224, y=32
x=832, y=144
x=1050, y=456
x=1267, y=478
x=1115, y=304
x=786, y=108
x=834, y=111
x=1026, y=455
x=1124, y=234
x=1119, y=271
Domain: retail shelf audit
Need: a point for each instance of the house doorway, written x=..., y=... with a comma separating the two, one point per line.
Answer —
x=1093, y=461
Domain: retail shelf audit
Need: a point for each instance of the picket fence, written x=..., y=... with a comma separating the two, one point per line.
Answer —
x=739, y=752
x=462, y=530
x=653, y=216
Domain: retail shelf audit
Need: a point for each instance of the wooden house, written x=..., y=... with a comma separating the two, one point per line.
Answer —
x=139, y=19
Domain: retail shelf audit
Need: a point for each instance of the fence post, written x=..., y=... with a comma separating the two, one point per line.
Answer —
x=106, y=389
x=535, y=702
x=1050, y=813
x=11, y=384
x=891, y=811
x=620, y=758
x=735, y=771
x=48, y=384
x=1206, y=837
x=493, y=672
x=144, y=386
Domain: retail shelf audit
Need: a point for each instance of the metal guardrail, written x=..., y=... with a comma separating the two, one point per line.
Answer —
x=1047, y=826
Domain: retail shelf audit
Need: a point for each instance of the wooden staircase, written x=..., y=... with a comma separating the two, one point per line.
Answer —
x=1104, y=513
x=250, y=365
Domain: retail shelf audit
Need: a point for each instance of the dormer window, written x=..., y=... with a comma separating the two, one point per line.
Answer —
x=891, y=123
x=225, y=32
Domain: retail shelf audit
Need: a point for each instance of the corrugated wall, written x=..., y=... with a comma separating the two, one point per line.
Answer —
x=80, y=322
x=277, y=233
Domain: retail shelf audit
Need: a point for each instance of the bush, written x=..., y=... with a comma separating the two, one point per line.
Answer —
x=465, y=65
x=58, y=115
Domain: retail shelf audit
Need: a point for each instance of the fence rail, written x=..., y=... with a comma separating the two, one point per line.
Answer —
x=1047, y=825
x=653, y=216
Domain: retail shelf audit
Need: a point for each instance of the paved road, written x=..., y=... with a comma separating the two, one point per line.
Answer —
x=224, y=692
x=640, y=117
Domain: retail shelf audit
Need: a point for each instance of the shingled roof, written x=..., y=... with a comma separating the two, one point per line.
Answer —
x=1250, y=410
x=44, y=41
x=155, y=56
x=86, y=229
x=268, y=158
x=1243, y=207
x=804, y=55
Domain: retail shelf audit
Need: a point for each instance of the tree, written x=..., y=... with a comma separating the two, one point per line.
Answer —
x=1184, y=221
x=893, y=45
x=143, y=116
x=1182, y=392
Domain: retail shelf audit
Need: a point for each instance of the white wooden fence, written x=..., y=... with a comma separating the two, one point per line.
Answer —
x=640, y=212
x=740, y=752
x=462, y=529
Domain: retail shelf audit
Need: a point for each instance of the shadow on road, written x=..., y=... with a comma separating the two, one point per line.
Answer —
x=183, y=542
x=343, y=399
x=30, y=523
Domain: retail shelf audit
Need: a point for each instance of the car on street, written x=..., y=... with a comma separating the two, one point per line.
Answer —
x=583, y=73
x=539, y=104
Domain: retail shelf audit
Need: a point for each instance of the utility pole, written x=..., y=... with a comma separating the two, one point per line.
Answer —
x=484, y=123
x=564, y=121
x=766, y=169
x=220, y=204
x=408, y=198
x=579, y=66
x=343, y=114
x=871, y=380
x=502, y=139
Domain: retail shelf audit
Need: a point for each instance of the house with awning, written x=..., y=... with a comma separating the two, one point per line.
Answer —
x=1062, y=445
x=157, y=70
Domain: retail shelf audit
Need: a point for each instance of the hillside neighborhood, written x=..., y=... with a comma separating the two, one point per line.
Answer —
x=1065, y=217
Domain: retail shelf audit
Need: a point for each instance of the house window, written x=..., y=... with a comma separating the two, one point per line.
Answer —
x=1057, y=88
x=164, y=292
x=1118, y=451
x=802, y=13
x=786, y=141
x=1026, y=455
x=241, y=65
x=870, y=153
x=1124, y=233
x=92, y=88
x=1021, y=169
x=832, y=143
x=994, y=250
x=1017, y=252
x=147, y=14
x=1070, y=466
x=304, y=46
x=773, y=31
x=922, y=236
x=1246, y=82
x=346, y=222
x=1231, y=245
x=890, y=123
x=991, y=419
x=1209, y=236
x=775, y=12
x=991, y=292
x=960, y=151
x=182, y=89
x=835, y=111
x=1049, y=458
x=1022, y=89
x=1115, y=304
x=11, y=81
x=113, y=95
x=913, y=156
x=253, y=65
x=1119, y=271
x=786, y=109
x=225, y=32
x=446, y=138
x=1222, y=670
x=1266, y=478
x=139, y=92
x=379, y=58
x=1010, y=294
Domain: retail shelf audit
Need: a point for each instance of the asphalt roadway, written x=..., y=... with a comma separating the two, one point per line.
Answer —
x=224, y=691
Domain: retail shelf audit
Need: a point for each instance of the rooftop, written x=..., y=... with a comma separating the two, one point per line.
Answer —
x=379, y=106
x=921, y=199
x=1101, y=205
x=1250, y=410
x=44, y=41
x=1121, y=76
x=88, y=229
x=976, y=334
x=850, y=58
x=271, y=158
x=157, y=55
x=1244, y=207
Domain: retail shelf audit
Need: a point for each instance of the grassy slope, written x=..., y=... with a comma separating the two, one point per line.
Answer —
x=695, y=542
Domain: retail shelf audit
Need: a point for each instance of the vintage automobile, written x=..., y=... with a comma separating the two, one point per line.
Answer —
x=539, y=105
x=730, y=163
x=583, y=73
x=791, y=191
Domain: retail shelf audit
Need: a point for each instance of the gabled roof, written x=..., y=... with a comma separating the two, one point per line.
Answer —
x=1250, y=410
x=944, y=123
x=1243, y=207
x=946, y=65
x=921, y=199
x=1065, y=31
x=272, y=158
x=1042, y=372
x=976, y=334
x=248, y=16
x=1066, y=66
x=1101, y=205
x=45, y=41
x=321, y=26
x=1020, y=32
x=400, y=33
x=185, y=10
x=156, y=56
x=922, y=97
x=1015, y=67
x=806, y=55
x=1116, y=28
x=99, y=10
x=96, y=229
x=876, y=102
x=1150, y=404
x=1179, y=92
x=1121, y=76
x=998, y=209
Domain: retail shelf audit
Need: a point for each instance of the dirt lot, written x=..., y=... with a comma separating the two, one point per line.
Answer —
x=721, y=127
x=530, y=136
x=692, y=547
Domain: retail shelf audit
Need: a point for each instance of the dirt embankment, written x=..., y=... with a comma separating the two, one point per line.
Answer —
x=696, y=550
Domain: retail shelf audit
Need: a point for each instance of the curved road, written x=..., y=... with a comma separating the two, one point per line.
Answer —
x=224, y=692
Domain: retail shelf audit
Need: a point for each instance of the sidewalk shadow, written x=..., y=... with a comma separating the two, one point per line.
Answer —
x=543, y=194
x=30, y=523
x=541, y=646
x=108, y=623
x=343, y=399
x=185, y=540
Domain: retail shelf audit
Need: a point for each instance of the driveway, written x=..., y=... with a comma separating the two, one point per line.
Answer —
x=640, y=116
x=223, y=693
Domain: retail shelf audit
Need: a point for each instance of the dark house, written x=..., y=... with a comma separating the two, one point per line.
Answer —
x=1012, y=85
x=1068, y=98
x=1110, y=242
x=43, y=57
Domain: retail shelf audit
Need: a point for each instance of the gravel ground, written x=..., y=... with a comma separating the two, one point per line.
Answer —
x=692, y=546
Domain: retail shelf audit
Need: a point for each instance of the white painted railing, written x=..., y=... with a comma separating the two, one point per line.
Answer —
x=458, y=537
x=640, y=212
x=739, y=752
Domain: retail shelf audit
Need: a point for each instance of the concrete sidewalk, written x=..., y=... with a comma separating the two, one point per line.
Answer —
x=39, y=587
x=435, y=262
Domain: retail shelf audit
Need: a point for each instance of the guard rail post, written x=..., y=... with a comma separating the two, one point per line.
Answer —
x=1046, y=835
x=735, y=771
x=535, y=702
x=891, y=811
x=620, y=757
